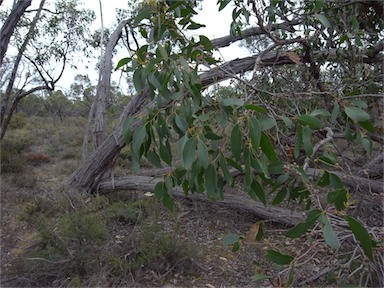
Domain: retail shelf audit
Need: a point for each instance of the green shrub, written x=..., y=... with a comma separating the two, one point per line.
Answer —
x=124, y=213
x=11, y=159
x=18, y=121
x=25, y=179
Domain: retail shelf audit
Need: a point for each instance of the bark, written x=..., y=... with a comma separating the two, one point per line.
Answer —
x=98, y=108
x=271, y=213
x=6, y=99
x=352, y=181
x=10, y=25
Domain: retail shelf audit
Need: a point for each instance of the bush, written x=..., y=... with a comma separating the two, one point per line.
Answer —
x=11, y=159
x=18, y=121
x=38, y=158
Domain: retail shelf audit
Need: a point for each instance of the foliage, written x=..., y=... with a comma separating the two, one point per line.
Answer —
x=242, y=132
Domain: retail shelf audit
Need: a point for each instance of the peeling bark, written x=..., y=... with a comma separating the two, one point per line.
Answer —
x=97, y=113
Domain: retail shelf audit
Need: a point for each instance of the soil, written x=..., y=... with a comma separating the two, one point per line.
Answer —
x=200, y=224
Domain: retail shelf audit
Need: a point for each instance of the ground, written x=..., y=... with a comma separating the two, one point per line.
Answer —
x=128, y=239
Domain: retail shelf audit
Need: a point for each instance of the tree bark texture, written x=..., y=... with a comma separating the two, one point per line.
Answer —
x=97, y=113
x=145, y=183
x=10, y=25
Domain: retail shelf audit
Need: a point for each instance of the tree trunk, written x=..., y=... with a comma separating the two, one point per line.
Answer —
x=144, y=183
x=98, y=108
x=6, y=98
x=10, y=25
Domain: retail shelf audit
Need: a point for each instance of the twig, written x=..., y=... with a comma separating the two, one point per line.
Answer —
x=328, y=139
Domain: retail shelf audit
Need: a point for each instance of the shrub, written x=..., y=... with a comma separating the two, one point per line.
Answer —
x=11, y=159
x=38, y=158
x=18, y=121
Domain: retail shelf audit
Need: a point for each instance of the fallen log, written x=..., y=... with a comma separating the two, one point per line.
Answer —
x=145, y=183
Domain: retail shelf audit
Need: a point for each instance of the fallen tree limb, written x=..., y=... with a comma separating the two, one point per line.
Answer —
x=355, y=182
x=144, y=183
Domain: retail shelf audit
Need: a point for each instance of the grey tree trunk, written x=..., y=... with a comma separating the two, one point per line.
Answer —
x=98, y=109
x=10, y=25
x=6, y=98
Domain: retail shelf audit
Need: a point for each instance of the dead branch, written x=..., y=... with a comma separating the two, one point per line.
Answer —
x=144, y=183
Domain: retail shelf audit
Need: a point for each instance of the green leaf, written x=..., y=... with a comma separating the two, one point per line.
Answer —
x=330, y=236
x=255, y=133
x=144, y=13
x=259, y=277
x=321, y=112
x=339, y=197
x=138, y=80
x=194, y=25
x=189, y=152
x=335, y=181
x=255, y=108
x=154, y=81
x=234, y=165
x=367, y=144
x=127, y=129
x=259, y=192
x=230, y=239
x=202, y=153
x=287, y=121
x=280, y=196
x=362, y=235
x=224, y=168
x=267, y=123
x=267, y=147
x=278, y=258
x=301, y=228
x=212, y=136
x=335, y=112
x=367, y=125
x=236, y=142
x=163, y=52
x=206, y=42
x=160, y=190
x=154, y=159
x=298, y=230
x=211, y=181
x=123, y=62
x=181, y=123
x=307, y=135
x=138, y=138
x=323, y=20
x=324, y=180
x=168, y=202
x=223, y=4
x=356, y=114
x=166, y=153
x=359, y=103
x=232, y=102
x=309, y=120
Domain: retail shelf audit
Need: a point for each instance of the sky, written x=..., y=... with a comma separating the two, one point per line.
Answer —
x=217, y=25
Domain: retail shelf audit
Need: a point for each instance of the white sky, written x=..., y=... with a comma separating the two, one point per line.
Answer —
x=217, y=25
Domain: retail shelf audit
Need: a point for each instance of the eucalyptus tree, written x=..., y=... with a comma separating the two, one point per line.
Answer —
x=43, y=44
x=281, y=136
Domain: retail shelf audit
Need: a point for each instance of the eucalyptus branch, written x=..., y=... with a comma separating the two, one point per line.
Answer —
x=326, y=140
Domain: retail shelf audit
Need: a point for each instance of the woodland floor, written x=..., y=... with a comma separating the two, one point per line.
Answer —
x=153, y=247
